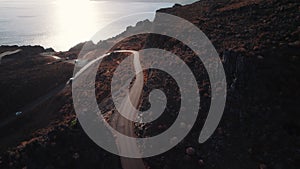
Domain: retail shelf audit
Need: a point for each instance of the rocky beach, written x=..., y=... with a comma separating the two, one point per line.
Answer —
x=258, y=43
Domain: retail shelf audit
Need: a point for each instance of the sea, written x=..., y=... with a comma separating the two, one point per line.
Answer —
x=61, y=24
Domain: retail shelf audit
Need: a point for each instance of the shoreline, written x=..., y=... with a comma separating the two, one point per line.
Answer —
x=259, y=129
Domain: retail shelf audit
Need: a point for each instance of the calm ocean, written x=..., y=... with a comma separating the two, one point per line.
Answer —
x=61, y=24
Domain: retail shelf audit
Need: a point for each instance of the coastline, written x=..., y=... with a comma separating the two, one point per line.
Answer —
x=254, y=132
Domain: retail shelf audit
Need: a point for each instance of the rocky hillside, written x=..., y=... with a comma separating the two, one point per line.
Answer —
x=28, y=80
x=257, y=40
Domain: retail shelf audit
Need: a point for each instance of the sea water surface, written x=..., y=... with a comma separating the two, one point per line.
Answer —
x=61, y=24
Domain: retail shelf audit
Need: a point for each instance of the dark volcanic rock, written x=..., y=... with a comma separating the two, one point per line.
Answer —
x=27, y=84
x=258, y=42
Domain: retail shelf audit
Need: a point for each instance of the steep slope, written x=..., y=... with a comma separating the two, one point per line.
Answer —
x=259, y=43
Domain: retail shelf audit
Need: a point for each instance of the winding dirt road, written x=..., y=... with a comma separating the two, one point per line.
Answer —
x=122, y=122
x=7, y=53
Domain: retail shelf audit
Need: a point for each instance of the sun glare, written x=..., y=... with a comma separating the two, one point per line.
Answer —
x=76, y=21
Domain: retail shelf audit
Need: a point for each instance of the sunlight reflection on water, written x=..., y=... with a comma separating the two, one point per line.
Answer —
x=62, y=24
